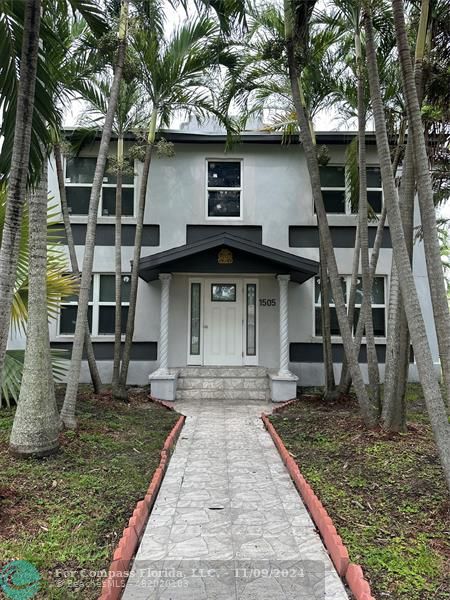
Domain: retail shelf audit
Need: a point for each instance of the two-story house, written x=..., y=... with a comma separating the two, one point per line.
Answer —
x=228, y=289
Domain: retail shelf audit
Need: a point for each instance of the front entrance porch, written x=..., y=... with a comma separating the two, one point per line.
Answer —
x=226, y=320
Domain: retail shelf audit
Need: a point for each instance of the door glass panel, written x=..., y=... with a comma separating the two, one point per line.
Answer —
x=195, y=319
x=223, y=292
x=251, y=319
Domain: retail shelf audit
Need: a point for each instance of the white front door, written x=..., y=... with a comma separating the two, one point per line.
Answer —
x=223, y=322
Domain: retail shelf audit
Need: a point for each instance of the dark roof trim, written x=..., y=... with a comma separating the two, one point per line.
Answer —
x=246, y=137
x=151, y=266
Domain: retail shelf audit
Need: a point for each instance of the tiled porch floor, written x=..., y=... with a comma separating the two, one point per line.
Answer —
x=228, y=523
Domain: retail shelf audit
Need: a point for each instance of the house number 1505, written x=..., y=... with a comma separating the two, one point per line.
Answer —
x=267, y=302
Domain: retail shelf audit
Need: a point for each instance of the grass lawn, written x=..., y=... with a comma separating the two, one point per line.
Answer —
x=68, y=511
x=385, y=493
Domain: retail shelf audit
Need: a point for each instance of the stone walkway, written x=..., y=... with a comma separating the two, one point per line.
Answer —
x=228, y=523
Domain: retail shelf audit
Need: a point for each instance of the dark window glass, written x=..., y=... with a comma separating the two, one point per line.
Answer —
x=375, y=200
x=68, y=319
x=78, y=200
x=107, y=288
x=379, y=328
x=223, y=292
x=109, y=202
x=333, y=320
x=373, y=177
x=195, y=319
x=112, y=177
x=377, y=291
x=330, y=293
x=224, y=204
x=106, y=319
x=80, y=170
x=332, y=177
x=334, y=201
x=224, y=174
x=251, y=319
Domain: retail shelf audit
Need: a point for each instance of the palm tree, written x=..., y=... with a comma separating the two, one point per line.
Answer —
x=297, y=21
x=424, y=184
x=68, y=409
x=174, y=78
x=26, y=120
x=131, y=115
x=35, y=430
x=433, y=398
x=58, y=287
x=19, y=165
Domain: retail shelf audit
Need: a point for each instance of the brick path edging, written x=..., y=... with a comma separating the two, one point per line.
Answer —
x=280, y=407
x=163, y=403
x=352, y=573
x=120, y=566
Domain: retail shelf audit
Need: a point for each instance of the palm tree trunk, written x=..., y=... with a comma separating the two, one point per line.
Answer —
x=35, y=430
x=17, y=181
x=93, y=369
x=368, y=409
x=345, y=380
x=136, y=256
x=330, y=384
x=118, y=268
x=68, y=409
x=433, y=398
x=436, y=278
x=397, y=346
x=372, y=361
x=365, y=306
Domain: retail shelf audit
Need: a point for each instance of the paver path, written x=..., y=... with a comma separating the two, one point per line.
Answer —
x=228, y=523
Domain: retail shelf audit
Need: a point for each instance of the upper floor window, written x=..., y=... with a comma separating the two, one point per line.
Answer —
x=378, y=305
x=101, y=310
x=332, y=179
x=79, y=177
x=224, y=187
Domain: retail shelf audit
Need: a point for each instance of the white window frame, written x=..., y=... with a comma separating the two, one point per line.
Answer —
x=348, y=279
x=224, y=189
x=100, y=215
x=96, y=305
x=348, y=209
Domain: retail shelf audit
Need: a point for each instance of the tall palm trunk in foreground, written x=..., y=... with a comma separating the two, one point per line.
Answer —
x=35, y=429
x=17, y=181
x=121, y=391
x=330, y=383
x=68, y=409
x=433, y=398
x=424, y=185
x=118, y=266
x=372, y=361
x=369, y=409
x=397, y=346
x=93, y=369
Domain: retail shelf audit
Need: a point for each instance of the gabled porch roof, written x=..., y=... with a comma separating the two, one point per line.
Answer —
x=245, y=257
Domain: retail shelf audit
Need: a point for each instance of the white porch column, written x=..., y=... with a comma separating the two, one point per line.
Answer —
x=165, y=279
x=163, y=383
x=283, y=385
x=283, y=282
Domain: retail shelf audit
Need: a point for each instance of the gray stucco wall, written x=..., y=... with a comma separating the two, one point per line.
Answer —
x=276, y=194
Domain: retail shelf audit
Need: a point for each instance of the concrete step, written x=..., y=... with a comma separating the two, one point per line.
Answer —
x=196, y=394
x=223, y=383
x=213, y=372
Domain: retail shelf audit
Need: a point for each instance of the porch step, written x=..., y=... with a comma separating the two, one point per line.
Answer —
x=245, y=383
